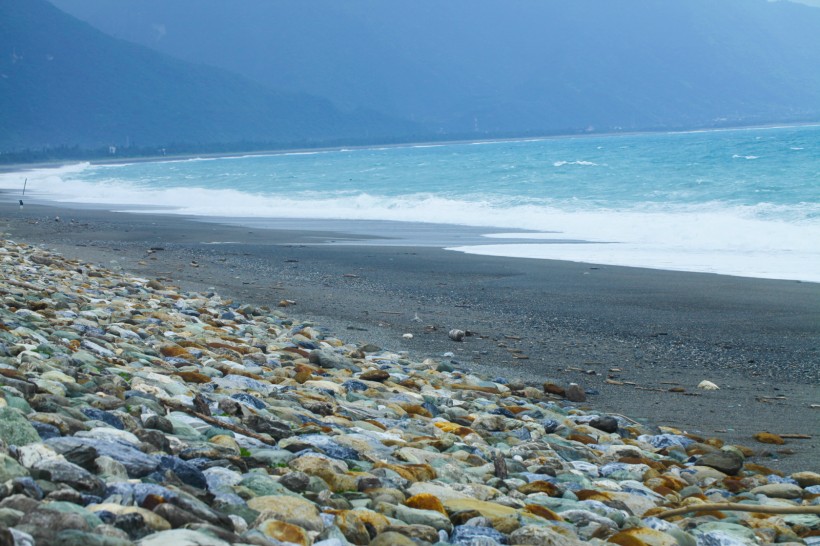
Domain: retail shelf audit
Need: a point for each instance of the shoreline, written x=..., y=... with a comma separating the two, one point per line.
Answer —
x=477, y=240
x=22, y=167
x=629, y=334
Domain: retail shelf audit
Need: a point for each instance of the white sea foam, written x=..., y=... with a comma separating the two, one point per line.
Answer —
x=582, y=163
x=740, y=129
x=729, y=241
x=316, y=152
x=736, y=156
x=214, y=158
x=31, y=174
x=41, y=180
x=766, y=264
x=761, y=240
x=752, y=241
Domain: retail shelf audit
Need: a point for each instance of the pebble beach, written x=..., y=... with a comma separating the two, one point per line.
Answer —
x=136, y=412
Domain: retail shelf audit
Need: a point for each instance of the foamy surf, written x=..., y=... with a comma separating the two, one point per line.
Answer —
x=763, y=264
x=669, y=201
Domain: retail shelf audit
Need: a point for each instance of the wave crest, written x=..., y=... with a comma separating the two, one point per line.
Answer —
x=581, y=163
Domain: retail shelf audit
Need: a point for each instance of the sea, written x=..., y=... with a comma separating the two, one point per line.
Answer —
x=736, y=202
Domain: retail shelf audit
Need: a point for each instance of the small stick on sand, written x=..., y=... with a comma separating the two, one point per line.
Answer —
x=264, y=438
x=737, y=507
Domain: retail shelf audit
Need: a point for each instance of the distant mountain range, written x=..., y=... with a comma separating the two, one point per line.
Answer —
x=287, y=72
x=64, y=83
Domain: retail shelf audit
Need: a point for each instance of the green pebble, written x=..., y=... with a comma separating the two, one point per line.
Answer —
x=71, y=508
x=15, y=428
x=19, y=403
x=10, y=469
x=79, y=538
x=9, y=517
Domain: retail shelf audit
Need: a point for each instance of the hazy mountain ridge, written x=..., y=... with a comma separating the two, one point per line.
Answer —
x=64, y=83
x=514, y=66
x=329, y=71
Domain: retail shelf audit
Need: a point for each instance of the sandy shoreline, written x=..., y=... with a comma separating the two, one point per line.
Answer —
x=759, y=340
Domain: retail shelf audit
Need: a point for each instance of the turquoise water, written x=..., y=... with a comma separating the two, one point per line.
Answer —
x=743, y=201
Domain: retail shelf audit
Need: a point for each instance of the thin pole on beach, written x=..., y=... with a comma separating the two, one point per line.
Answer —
x=24, y=192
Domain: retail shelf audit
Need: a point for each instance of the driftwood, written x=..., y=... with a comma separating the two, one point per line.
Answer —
x=624, y=417
x=737, y=507
x=23, y=284
x=264, y=438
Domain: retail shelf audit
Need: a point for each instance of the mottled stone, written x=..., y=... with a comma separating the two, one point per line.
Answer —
x=9, y=517
x=643, y=537
x=392, y=538
x=727, y=462
x=375, y=375
x=605, y=423
x=9, y=469
x=329, y=359
x=181, y=537
x=295, y=481
x=62, y=471
x=44, y=525
x=485, y=508
x=806, y=479
x=725, y=534
x=430, y=518
x=80, y=538
x=779, y=491
x=474, y=534
x=769, y=438
x=15, y=428
x=352, y=527
x=110, y=469
x=186, y=472
x=104, y=416
x=150, y=519
x=137, y=463
x=423, y=533
x=289, y=509
x=575, y=393
x=263, y=485
x=160, y=423
x=285, y=532
x=175, y=516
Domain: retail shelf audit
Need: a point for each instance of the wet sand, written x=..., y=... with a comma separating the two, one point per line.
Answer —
x=627, y=334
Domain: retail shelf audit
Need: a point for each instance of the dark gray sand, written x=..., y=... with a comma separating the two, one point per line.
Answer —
x=629, y=335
